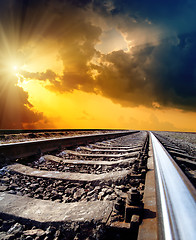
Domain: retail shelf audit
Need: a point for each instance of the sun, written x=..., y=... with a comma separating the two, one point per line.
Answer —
x=15, y=68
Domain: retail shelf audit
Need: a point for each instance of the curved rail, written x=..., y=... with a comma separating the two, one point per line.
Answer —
x=176, y=197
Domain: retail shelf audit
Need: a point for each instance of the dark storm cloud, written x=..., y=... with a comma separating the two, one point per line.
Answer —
x=172, y=72
x=162, y=11
x=164, y=74
x=15, y=109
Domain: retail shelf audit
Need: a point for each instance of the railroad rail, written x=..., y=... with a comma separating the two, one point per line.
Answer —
x=176, y=197
x=104, y=186
x=12, y=151
x=185, y=161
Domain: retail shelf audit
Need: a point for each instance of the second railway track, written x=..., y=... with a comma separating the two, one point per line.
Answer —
x=89, y=187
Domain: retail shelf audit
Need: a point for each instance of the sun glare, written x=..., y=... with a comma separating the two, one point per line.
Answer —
x=15, y=68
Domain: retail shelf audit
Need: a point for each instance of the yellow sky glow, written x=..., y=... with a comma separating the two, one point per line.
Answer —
x=85, y=110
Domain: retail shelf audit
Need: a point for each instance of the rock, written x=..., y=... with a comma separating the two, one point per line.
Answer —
x=34, y=185
x=13, y=186
x=44, y=168
x=69, y=191
x=104, y=189
x=34, y=233
x=29, y=238
x=54, y=193
x=5, y=180
x=12, y=192
x=118, y=192
x=74, y=226
x=94, y=197
x=9, y=237
x=50, y=230
x=77, y=237
x=88, y=185
x=57, y=233
x=109, y=191
x=108, y=198
x=46, y=198
x=120, y=187
x=78, y=194
x=19, y=193
x=101, y=195
x=36, y=196
x=62, y=154
x=60, y=188
x=83, y=197
x=3, y=188
x=113, y=196
x=90, y=193
x=32, y=135
x=41, y=160
x=15, y=229
x=97, y=188
x=3, y=235
x=65, y=198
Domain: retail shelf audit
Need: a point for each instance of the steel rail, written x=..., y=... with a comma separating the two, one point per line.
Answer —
x=176, y=197
x=11, y=151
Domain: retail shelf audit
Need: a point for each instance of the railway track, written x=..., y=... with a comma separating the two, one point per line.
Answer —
x=90, y=187
x=185, y=161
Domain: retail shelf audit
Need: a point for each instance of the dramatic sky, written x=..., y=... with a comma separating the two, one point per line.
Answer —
x=98, y=64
